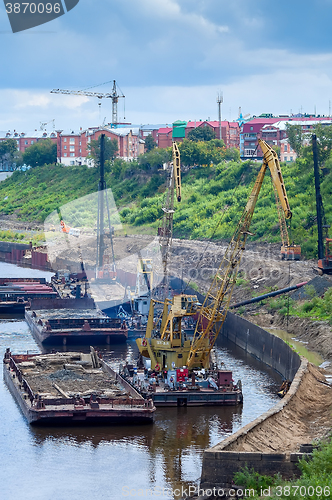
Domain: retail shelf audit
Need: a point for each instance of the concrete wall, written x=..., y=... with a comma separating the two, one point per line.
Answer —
x=262, y=345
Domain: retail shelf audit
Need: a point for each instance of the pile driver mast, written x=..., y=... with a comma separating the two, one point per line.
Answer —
x=169, y=348
x=324, y=258
x=166, y=231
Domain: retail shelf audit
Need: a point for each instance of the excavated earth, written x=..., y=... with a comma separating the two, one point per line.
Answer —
x=307, y=417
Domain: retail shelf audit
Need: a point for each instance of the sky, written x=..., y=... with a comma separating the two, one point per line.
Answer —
x=171, y=59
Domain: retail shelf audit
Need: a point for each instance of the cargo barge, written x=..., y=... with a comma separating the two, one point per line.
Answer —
x=178, y=388
x=66, y=326
x=73, y=388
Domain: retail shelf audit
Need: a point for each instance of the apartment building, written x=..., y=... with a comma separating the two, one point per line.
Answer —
x=26, y=139
x=72, y=145
x=273, y=131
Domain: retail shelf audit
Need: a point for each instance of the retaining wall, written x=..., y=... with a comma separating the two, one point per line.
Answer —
x=222, y=461
x=264, y=346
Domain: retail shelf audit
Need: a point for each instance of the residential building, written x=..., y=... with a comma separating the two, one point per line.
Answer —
x=26, y=139
x=273, y=131
x=72, y=146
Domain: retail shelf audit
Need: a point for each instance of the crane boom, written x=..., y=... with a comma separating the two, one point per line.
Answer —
x=216, y=303
x=165, y=344
x=109, y=95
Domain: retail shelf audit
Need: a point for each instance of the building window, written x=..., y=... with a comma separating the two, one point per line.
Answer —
x=251, y=128
x=72, y=154
x=80, y=150
x=72, y=163
x=64, y=147
x=65, y=139
x=80, y=143
x=65, y=154
x=26, y=142
x=285, y=148
x=72, y=140
x=72, y=148
x=291, y=158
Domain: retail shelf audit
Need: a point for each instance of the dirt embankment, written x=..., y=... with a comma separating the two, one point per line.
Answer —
x=305, y=418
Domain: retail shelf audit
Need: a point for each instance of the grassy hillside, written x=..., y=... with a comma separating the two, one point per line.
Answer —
x=212, y=200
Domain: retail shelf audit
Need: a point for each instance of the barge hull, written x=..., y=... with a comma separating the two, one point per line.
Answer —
x=82, y=415
x=197, y=399
x=75, y=336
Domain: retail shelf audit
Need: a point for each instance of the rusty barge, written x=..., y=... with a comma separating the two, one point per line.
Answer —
x=176, y=388
x=73, y=322
x=73, y=388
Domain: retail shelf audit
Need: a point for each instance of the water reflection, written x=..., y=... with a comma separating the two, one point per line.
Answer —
x=97, y=462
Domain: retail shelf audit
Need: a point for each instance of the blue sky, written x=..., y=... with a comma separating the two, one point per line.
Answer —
x=170, y=59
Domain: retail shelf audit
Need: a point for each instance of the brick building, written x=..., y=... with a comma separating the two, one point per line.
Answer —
x=26, y=139
x=273, y=131
x=72, y=146
x=230, y=132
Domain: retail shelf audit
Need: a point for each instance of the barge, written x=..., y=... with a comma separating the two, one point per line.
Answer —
x=177, y=388
x=73, y=388
x=75, y=326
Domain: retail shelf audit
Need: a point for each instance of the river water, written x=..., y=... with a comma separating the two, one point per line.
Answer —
x=113, y=463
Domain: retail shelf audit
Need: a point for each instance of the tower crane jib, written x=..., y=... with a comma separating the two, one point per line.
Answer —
x=114, y=95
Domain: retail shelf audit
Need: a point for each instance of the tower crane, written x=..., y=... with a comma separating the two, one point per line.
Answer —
x=114, y=95
x=166, y=346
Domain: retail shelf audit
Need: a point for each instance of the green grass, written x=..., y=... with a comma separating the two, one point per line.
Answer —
x=213, y=198
x=315, y=482
x=317, y=308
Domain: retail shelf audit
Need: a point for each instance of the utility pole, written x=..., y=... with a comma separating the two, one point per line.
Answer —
x=100, y=221
x=319, y=202
x=220, y=100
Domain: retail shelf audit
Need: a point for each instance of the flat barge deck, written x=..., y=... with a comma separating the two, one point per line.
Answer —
x=75, y=326
x=73, y=388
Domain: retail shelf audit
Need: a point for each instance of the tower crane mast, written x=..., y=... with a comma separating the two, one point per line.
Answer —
x=114, y=95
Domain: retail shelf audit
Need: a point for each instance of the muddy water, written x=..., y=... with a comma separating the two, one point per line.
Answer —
x=118, y=462
x=298, y=345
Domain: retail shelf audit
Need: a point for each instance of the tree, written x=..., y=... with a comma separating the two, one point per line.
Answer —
x=41, y=153
x=150, y=143
x=9, y=155
x=204, y=133
x=202, y=152
x=295, y=137
x=111, y=149
x=154, y=159
x=324, y=141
